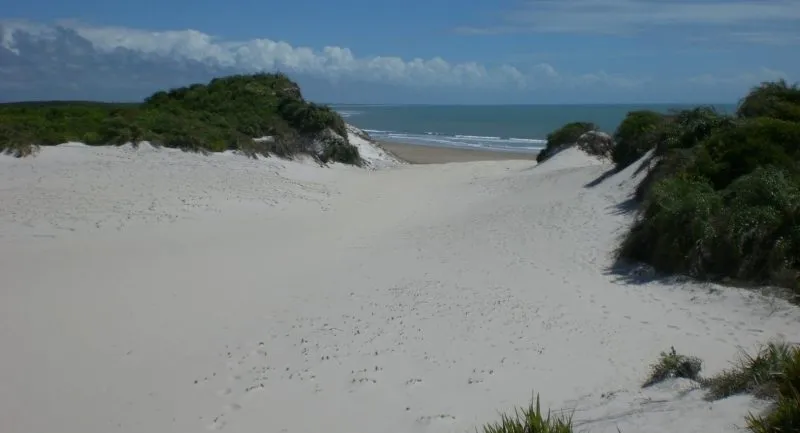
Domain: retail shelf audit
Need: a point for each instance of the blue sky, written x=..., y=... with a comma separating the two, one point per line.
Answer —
x=480, y=50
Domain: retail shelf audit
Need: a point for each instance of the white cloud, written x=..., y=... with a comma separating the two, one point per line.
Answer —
x=626, y=16
x=331, y=62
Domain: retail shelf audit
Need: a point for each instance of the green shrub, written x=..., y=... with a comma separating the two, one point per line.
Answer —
x=596, y=143
x=734, y=152
x=777, y=100
x=675, y=230
x=676, y=141
x=635, y=136
x=672, y=365
x=747, y=232
x=688, y=128
x=759, y=231
x=673, y=162
x=719, y=199
x=565, y=136
x=336, y=150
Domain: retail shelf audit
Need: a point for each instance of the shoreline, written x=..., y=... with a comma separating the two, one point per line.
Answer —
x=423, y=154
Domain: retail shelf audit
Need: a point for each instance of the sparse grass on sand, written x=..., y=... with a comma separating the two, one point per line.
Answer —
x=772, y=374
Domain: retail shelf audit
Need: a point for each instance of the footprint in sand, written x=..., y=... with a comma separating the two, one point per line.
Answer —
x=363, y=377
x=441, y=418
x=233, y=407
x=413, y=381
x=218, y=423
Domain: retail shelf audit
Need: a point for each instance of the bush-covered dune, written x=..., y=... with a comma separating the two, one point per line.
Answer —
x=225, y=114
x=720, y=201
x=721, y=198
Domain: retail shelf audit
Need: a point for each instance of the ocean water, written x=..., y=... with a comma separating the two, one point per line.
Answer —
x=498, y=127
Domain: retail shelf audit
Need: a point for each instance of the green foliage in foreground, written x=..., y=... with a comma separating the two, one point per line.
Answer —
x=225, y=114
x=785, y=417
x=531, y=420
x=564, y=136
x=722, y=200
x=772, y=374
x=774, y=371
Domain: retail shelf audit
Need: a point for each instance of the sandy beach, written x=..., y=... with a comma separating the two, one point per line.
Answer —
x=154, y=290
x=416, y=154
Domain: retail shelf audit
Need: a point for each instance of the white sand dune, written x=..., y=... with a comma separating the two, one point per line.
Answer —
x=371, y=152
x=159, y=291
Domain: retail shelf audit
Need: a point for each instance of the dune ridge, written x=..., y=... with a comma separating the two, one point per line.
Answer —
x=156, y=290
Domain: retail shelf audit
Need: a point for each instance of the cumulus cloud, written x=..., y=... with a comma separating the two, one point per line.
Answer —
x=627, y=16
x=330, y=62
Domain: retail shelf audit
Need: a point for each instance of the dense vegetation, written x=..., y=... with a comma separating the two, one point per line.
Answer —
x=722, y=198
x=225, y=114
x=635, y=136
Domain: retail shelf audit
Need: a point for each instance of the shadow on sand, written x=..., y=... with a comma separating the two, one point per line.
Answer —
x=626, y=272
x=626, y=207
x=606, y=174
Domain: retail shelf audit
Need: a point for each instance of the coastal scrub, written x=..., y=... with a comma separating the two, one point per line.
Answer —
x=722, y=200
x=635, y=136
x=563, y=137
x=225, y=114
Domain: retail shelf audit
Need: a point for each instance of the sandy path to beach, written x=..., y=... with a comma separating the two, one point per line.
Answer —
x=158, y=291
x=417, y=154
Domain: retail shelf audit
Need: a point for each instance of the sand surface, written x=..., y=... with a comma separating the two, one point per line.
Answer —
x=437, y=155
x=160, y=291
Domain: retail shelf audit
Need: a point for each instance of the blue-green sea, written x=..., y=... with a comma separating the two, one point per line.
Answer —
x=500, y=127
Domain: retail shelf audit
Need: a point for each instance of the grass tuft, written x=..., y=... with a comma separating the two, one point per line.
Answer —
x=773, y=374
x=775, y=369
x=531, y=420
x=673, y=365
x=784, y=417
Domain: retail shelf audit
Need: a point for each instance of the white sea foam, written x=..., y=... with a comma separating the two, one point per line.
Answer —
x=462, y=141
